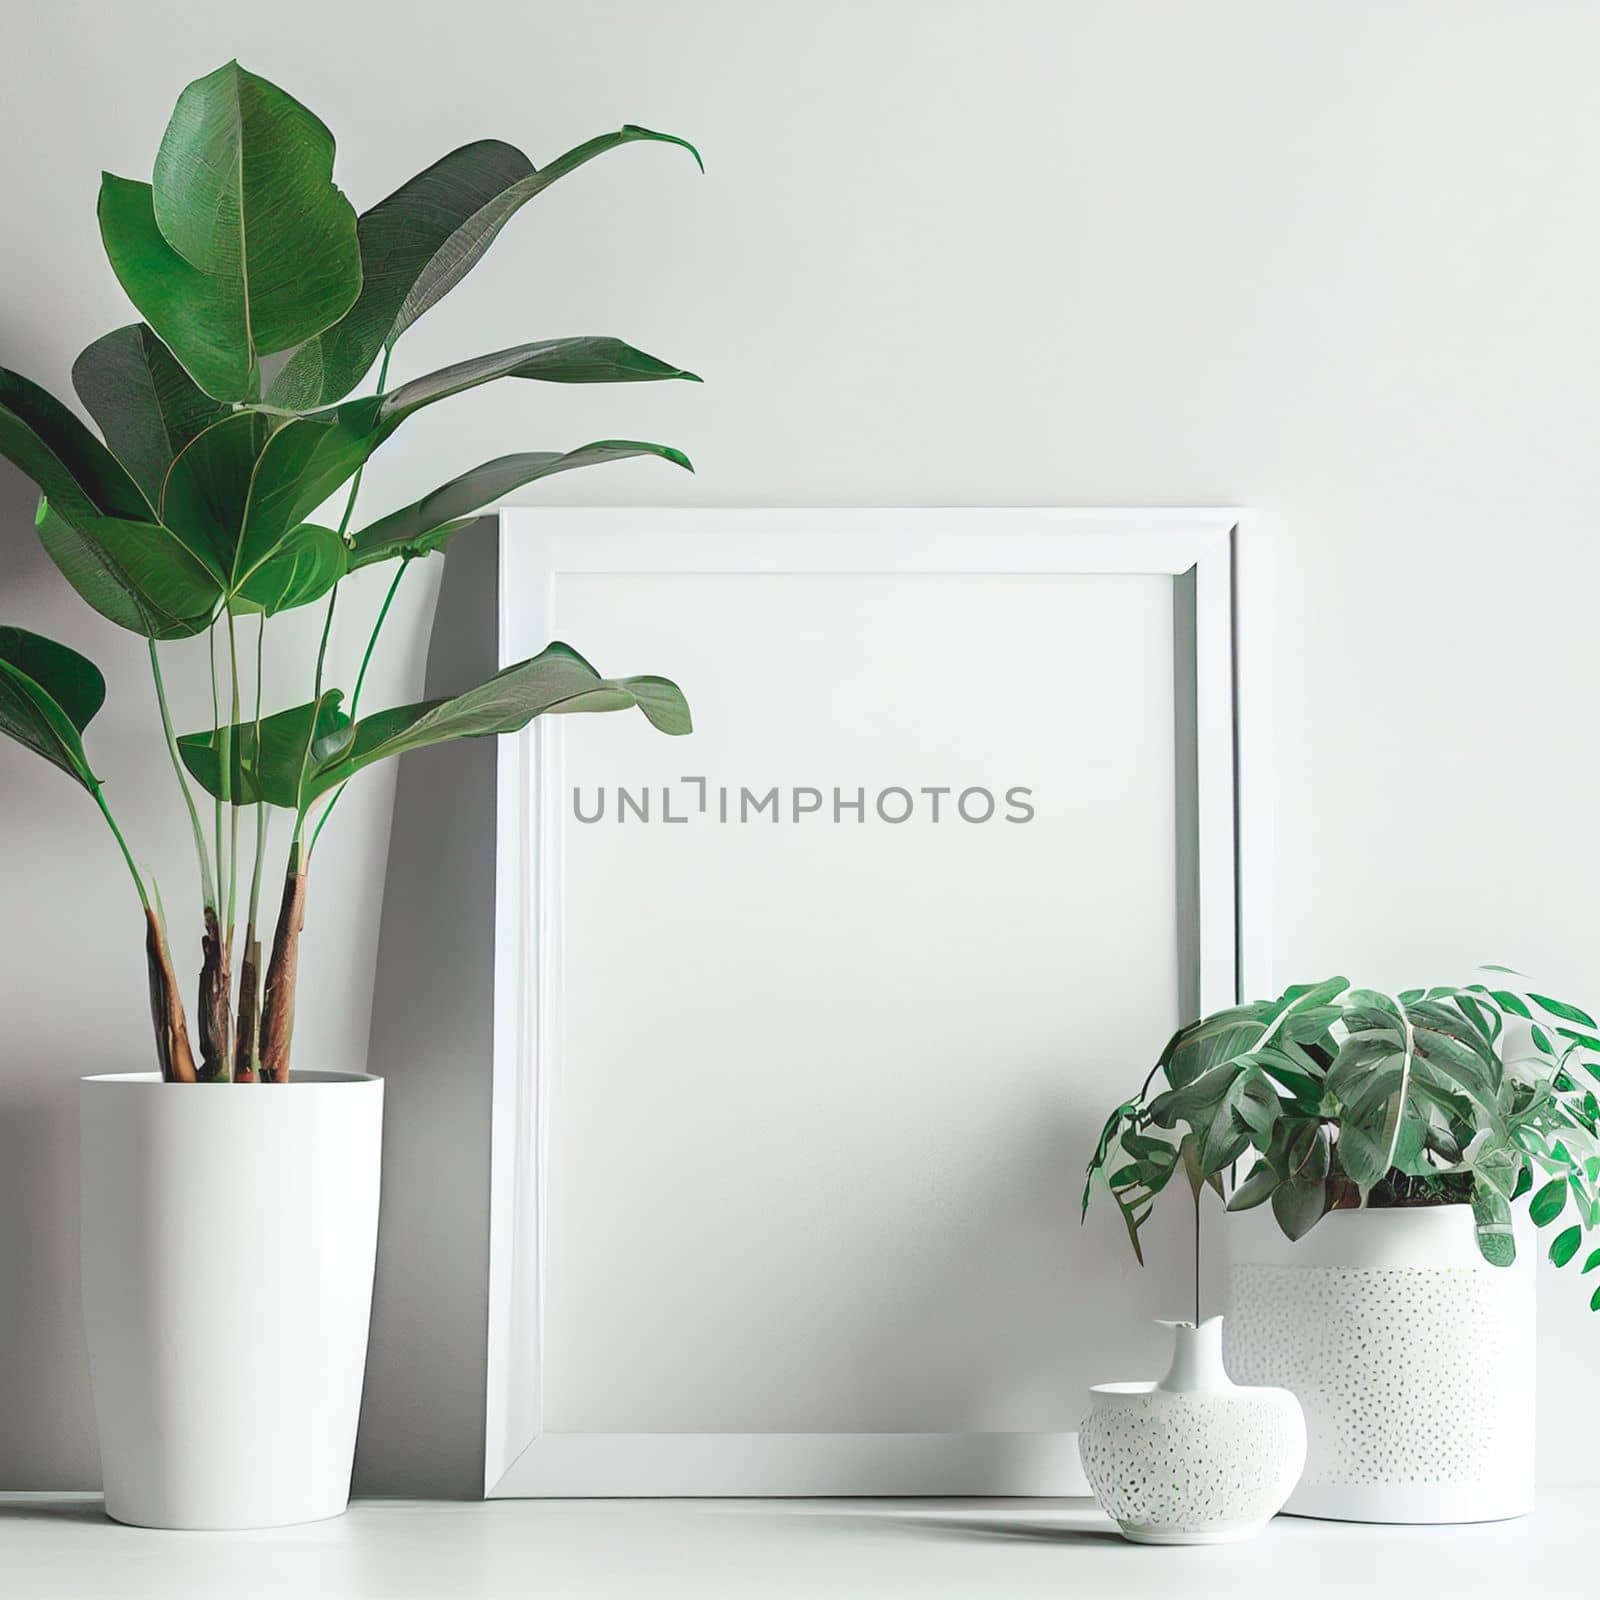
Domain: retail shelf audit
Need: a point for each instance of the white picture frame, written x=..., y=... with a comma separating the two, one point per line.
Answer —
x=1201, y=551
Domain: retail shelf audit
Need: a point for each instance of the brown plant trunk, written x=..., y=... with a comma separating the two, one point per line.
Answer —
x=216, y=1002
x=247, y=1036
x=277, y=1017
x=166, y=1007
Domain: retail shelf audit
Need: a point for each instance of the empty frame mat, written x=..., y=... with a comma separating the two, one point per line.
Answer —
x=806, y=1022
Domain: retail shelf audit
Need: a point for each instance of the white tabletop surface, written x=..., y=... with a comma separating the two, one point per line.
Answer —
x=392, y=1549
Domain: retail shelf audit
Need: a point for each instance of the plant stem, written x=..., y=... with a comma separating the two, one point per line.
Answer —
x=277, y=1015
x=225, y=772
x=333, y=597
x=377, y=628
x=208, y=888
x=322, y=647
x=233, y=820
x=213, y=1017
x=355, y=699
x=1197, y=1195
x=355, y=482
x=173, y=1049
x=127, y=854
x=263, y=819
x=247, y=1021
x=344, y=528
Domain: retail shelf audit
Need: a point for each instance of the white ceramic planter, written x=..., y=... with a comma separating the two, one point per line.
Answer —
x=1412, y=1356
x=1196, y=1458
x=228, y=1240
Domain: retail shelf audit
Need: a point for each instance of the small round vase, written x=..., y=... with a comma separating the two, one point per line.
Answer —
x=1196, y=1458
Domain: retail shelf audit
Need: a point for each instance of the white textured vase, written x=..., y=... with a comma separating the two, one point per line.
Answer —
x=1413, y=1358
x=228, y=1240
x=1196, y=1458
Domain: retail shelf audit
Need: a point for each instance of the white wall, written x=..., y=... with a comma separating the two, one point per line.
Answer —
x=1332, y=261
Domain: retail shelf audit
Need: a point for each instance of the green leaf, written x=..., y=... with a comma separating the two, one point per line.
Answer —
x=1547, y=1204
x=557, y=680
x=1510, y=1002
x=276, y=774
x=425, y=525
x=1560, y=1008
x=423, y=544
x=200, y=318
x=1299, y=1204
x=1372, y=1077
x=1308, y=1025
x=1446, y=1061
x=291, y=470
x=307, y=564
x=465, y=246
x=1497, y=1164
x=73, y=681
x=1154, y=1157
x=582, y=359
x=206, y=491
x=1135, y=1212
x=1197, y=1049
x=1299, y=1075
x=1367, y=1144
x=68, y=464
x=1241, y=1029
x=147, y=406
x=1255, y=1103
x=1593, y=1261
x=300, y=465
x=238, y=494
x=1194, y=1169
x=1221, y=1141
x=1134, y=1185
x=1127, y=1113
x=1565, y=1245
x=1196, y=1102
x=1496, y=1239
x=420, y=242
x=1594, y=1301
x=139, y=575
x=244, y=195
x=1230, y=1107
x=1411, y=1148
x=48, y=695
x=1255, y=1189
x=1483, y=1018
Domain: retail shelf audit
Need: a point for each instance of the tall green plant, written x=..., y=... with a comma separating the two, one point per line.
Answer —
x=1331, y=1097
x=226, y=420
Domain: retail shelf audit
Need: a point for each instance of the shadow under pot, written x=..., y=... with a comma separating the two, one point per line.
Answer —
x=1412, y=1356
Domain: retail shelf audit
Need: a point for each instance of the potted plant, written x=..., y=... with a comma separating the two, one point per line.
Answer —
x=1377, y=1145
x=228, y=1238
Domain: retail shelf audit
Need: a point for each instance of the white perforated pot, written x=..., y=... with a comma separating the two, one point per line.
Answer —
x=1412, y=1356
x=1196, y=1458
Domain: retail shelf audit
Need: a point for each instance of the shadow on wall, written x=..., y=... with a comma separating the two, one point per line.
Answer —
x=422, y=1418
x=48, y=1036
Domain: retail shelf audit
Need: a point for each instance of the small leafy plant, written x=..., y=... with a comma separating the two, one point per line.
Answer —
x=1339, y=1097
x=225, y=423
